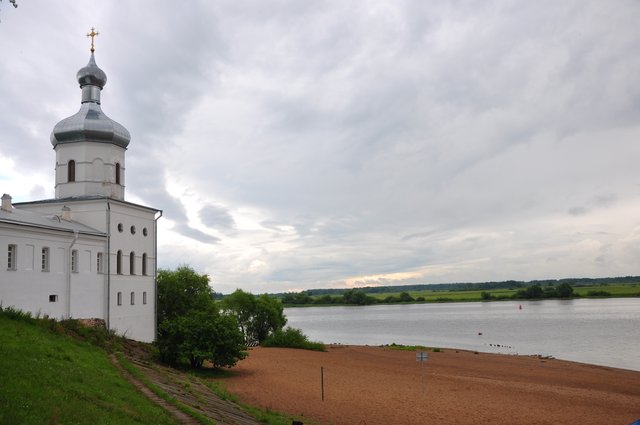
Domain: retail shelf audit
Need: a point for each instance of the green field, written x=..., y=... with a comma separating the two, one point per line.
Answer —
x=49, y=378
x=623, y=290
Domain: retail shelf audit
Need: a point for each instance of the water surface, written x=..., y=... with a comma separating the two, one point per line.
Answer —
x=597, y=331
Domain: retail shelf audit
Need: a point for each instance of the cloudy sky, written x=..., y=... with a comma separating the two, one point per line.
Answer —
x=307, y=144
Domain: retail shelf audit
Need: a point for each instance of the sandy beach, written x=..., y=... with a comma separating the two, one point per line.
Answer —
x=381, y=386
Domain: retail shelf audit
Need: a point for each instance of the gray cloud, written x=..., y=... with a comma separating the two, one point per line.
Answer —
x=219, y=218
x=330, y=141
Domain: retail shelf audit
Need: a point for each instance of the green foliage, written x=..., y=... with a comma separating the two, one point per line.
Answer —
x=292, y=338
x=199, y=336
x=190, y=328
x=405, y=297
x=181, y=291
x=257, y=317
x=357, y=297
x=564, y=290
x=51, y=377
x=530, y=293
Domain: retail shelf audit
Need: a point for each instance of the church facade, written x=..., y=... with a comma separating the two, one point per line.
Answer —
x=87, y=253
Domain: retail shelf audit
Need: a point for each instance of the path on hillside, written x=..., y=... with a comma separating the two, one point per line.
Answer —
x=186, y=389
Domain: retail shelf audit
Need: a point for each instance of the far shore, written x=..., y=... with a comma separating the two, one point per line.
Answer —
x=380, y=385
x=466, y=300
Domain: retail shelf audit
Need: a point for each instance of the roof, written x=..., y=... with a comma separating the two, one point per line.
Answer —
x=84, y=198
x=53, y=222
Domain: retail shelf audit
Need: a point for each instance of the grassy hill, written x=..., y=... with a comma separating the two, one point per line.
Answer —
x=48, y=378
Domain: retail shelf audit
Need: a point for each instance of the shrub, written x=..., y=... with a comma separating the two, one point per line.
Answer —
x=292, y=338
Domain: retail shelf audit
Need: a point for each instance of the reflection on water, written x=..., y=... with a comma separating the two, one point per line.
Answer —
x=604, y=332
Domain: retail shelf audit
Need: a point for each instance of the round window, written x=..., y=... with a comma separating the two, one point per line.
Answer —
x=120, y=227
x=144, y=231
x=133, y=230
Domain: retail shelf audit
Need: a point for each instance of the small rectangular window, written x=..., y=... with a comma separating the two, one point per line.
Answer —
x=99, y=261
x=144, y=297
x=119, y=298
x=74, y=261
x=45, y=259
x=133, y=298
x=12, y=253
x=53, y=298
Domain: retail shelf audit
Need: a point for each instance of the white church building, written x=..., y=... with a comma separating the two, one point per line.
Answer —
x=87, y=253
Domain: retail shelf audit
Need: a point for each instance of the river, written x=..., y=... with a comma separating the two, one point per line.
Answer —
x=597, y=331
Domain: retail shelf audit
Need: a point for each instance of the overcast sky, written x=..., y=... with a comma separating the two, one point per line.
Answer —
x=307, y=144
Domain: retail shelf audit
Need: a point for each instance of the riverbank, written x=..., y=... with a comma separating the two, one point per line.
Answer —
x=376, y=385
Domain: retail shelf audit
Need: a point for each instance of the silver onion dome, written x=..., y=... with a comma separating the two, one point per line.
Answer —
x=91, y=74
x=90, y=124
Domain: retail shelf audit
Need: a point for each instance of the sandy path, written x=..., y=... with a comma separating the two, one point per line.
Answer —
x=373, y=385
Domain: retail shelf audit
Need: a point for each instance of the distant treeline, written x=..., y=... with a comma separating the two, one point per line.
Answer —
x=526, y=289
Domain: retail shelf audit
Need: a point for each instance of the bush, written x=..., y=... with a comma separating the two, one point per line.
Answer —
x=292, y=338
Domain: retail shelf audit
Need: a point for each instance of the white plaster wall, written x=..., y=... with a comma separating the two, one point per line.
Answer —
x=95, y=169
x=136, y=321
x=28, y=287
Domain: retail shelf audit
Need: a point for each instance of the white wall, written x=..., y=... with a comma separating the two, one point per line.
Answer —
x=28, y=288
x=136, y=321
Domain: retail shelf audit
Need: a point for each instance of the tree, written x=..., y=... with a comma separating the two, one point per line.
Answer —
x=190, y=327
x=564, y=290
x=531, y=292
x=199, y=336
x=405, y=297
x=257, y=317
x=357, y=297
x=181, y=291
x=268, y=317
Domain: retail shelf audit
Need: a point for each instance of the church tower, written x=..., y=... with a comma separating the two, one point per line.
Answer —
x=87, y=253
x=90, y=147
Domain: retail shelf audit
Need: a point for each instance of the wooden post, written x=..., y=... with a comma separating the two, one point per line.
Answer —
x=322, y=381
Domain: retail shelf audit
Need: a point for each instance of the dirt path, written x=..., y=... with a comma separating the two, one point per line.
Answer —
x=186, y=389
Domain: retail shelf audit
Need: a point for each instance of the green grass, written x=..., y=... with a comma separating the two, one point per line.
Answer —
x=265, y=416
x=614, y=290
x=48, y=378
x=621, y=290
x=401, y=347
x=162, y=394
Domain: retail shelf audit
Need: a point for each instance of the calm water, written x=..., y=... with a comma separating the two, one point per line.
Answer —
x=604, y=332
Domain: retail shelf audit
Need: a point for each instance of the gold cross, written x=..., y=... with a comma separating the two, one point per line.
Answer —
x=92, y=34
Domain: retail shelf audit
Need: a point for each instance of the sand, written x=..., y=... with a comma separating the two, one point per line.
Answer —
x=376, y=385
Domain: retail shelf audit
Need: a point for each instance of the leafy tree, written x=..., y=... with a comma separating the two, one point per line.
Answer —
x=564, y=290
x=531, y=292
x=357, y=297
x=405, y=297
x=199, y=336
x=181, y=291
x=190, y=327
x=268, y=317
x=257, y=317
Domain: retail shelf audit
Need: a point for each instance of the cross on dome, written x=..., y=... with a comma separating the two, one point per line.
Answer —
x=92, y=34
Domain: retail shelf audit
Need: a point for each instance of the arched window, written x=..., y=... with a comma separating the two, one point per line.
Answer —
x=132, y=263
x=71, y=171
x=144, y=264
x=119, y=262
x=117, y=173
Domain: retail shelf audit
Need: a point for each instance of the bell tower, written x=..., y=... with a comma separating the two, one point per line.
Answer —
x=90, y=147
